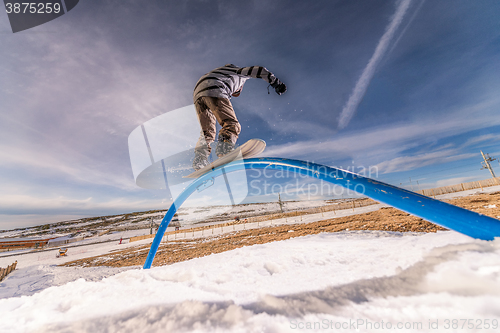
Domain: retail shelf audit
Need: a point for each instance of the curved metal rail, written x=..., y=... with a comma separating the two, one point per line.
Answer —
x=446, y=215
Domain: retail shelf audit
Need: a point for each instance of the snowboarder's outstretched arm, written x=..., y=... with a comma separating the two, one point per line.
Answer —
x=259, y=72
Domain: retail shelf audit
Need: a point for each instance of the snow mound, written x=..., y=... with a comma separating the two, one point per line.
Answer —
x=312, y=281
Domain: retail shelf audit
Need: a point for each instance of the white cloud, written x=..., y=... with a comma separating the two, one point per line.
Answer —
x=64, y=163
x=375, y=145
x=20, y=204
x=405, y=163
x=454, y=181
x=482, y=138
x=79, y=100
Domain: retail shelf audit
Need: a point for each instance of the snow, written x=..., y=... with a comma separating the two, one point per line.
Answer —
x=368, y=276
x=48, y=257
x=353, y=281
x=188, y=216
x=490, y=189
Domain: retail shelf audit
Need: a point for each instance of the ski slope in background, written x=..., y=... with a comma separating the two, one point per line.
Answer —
x=368, y=277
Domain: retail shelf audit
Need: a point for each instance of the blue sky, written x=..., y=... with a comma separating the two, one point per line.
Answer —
x=419, y=81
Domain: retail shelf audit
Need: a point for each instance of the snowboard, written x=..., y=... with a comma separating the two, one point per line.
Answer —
x=249, y=149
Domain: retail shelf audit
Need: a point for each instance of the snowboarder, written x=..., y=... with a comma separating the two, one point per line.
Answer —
x=212, y=95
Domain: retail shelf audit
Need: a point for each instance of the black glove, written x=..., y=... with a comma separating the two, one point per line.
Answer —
x=278, y=86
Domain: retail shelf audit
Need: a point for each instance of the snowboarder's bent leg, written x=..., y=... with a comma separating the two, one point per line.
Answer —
x=207, y=119
x=207, y=135
x=224, y=112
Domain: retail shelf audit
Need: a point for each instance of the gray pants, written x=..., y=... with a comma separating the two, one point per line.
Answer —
x=210, y=110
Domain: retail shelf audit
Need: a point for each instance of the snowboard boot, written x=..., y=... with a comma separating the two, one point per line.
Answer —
x=201, y=158
x=223, y=148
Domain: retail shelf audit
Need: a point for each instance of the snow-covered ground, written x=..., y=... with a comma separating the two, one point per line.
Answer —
x=142, y=220
x=189, y=216
x=355, y=281
x=106, y=238
x=193, y=215
x=110, y=242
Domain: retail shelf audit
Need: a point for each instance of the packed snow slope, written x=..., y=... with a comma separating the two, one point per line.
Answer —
x=365, y=281
x=142, y=220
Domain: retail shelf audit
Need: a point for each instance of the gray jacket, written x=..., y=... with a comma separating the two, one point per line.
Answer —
x=227, y=80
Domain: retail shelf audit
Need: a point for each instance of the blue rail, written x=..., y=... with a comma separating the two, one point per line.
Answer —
x=446, y=215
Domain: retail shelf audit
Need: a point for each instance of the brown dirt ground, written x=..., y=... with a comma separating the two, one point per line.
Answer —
x=386, y=219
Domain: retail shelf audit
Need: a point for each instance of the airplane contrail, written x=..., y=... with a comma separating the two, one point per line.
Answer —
x=410, y=20
x=365, y=78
